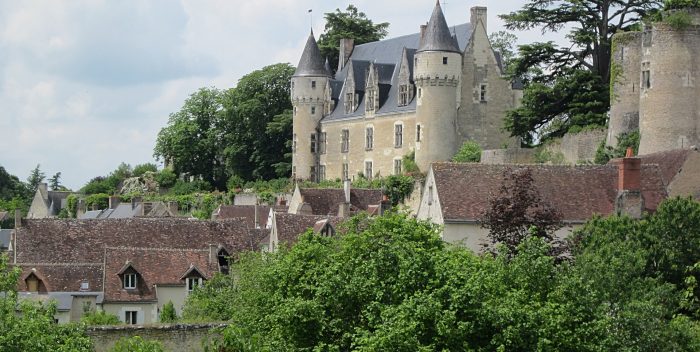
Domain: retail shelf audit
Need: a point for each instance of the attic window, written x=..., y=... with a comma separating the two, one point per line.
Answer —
x=371, y=100
x=32, y=283
x=349, y=103
x=223, y=258
x=193, y=282
x=84, y=286
x=403, y=95
x=430, y=195
x=129, y=281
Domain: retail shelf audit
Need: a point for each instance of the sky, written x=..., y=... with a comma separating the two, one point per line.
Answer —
x=87, y=84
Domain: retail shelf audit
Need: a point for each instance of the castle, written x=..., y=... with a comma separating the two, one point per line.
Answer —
x=654, y=88
x=426, y=93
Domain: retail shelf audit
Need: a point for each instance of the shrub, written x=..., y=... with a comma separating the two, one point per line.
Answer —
x=681, y=4
x=137, y=344
x=678, y=20
x=99, y=317
x=166, y=178
x=409, y=163
x=470, y=152
x=168, y=314
x=183, y=187
x=141, y=169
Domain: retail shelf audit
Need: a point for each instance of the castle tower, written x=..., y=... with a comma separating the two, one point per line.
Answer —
x=437, y=73
x=670, y=80
x=625, y=85
x=310, y=85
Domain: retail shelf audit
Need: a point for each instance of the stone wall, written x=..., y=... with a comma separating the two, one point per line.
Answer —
x=578, y=148
x=175, y=337
x=508, y=156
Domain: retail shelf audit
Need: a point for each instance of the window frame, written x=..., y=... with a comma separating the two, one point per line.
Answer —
x=345, y=140
x=369, y=137
x=369, y=169
x=398, y=135
x=131, y=317
x=398, y=166
x=129, y=281
x=345, y=172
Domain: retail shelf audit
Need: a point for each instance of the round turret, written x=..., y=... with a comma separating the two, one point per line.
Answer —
x=669, y=102
x=624, y=85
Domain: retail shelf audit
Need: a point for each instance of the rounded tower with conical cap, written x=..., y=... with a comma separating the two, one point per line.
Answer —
x=437, y=73
x=309, y=99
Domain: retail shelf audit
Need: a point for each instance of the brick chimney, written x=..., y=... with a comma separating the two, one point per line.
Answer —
x=479, y=13
x=346, y=47
x=18, y=218
x=629, y=186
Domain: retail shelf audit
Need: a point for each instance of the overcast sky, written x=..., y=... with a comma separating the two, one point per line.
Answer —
x=87, y=84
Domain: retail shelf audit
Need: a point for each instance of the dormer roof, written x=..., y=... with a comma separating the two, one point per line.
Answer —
x=437, y=34
x=311, y=62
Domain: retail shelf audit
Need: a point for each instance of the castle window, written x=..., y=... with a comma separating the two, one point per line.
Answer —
x=369, y=138
x=321, y=173
x=371, y=100
x=398, y=135
x=313, y=143
x=482, y=93
x=313, y=84
x=294, y=143
x=294, y=172
x=349, y=103
x=346, y=172
x=368, y=170
x=129, y=281
x=418, y=131
x=345, y=141
x=222, y=258
x=646, y=79
x=131, y=317
x=397, y=166
x=322, y=143
x=444, y=60
x=430, y=195
x=420, y=91
x=403, y=95
x=313, y=110
x=312, y=174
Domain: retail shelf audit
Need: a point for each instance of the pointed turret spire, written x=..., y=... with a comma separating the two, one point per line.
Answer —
x=311, y=62
x=437, y=34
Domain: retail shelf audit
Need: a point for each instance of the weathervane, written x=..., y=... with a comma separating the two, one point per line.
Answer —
x=311, y=18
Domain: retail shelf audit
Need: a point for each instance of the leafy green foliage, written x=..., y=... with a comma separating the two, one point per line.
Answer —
x=398, y=187
x=681, y=4
x=55, y=182
x=678, y=20
x=99, y=317
x=168, y=314
x=624, y=140
x=166, y=178
x=35, y=178
x=181, y=188
x=137, y=344
x=409, y=164
x=568, y=85
x=141, y=169
x=544, y=155
x=351, y=24
x=504, y=43
x=14, y=194
x=391, y=284
x=469, y=152
x=27, y=325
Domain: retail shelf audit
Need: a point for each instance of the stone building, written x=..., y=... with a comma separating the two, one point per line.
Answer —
x=425, y=93
x=47, y=204
x=654, y=86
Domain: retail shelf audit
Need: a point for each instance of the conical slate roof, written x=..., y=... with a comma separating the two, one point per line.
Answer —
x=311, y=62
x=327, y=66
x=437, y=34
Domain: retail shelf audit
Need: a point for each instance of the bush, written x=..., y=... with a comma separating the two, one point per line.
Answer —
x=99, y=201
x=235, y=182
x=681, y=4
x=141, y=169
x=409, y=163
x=100, y=317
x=624, y=140
x=398, y=187
x=470, y=152
x=183, y=187
x=137, y=344
x=678, y=20
x=168, y=314
x=166, y=178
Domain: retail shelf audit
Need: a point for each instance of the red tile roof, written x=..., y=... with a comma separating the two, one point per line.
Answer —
x=326, y=201
x=577, y=192
x=246, y=212
x=291, y=226
x=670, y=162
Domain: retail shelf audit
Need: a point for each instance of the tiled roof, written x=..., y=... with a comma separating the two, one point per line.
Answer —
x=65, y=277
x=155, y=267
x=670, y=162
x=246, y=212
x=577, y=192
x=290, y=226
x=5, y=238
x=326, y=201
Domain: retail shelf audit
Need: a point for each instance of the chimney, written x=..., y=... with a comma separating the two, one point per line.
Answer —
x=423, y=27
x=43, y=187
x=135, y=202
x=629, y=186
x=81, y=208
x=256, y=220
x=344, y=210
x=346, y=47
x=18, y=218
x=114, y=202
x=479, y=13
x=346, y=190
x=173, y=207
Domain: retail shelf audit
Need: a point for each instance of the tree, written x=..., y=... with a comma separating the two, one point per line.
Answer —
x=141, y=169
x=99, y=317
x=258, y=125
x=350, y=24
x=518, y=212
x=193, y=138
x=168, y=314
x=36, y=177
x=137, y=344
x=55, y=182
x=504, y=43
x=469, y=152
x=585, y=63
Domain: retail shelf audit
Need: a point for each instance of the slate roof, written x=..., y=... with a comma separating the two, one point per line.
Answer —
x=5, y=238
x=386, y=54
x=311, y=62
x=326, y=201
x=128, y=210
x=291, y=226
x=577, y=192
x=155, y=267
x=246, y=212
x=670, y=162
x=437, y=34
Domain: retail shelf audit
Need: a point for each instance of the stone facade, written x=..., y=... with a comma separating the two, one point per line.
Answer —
x=426, y=93
x=655, y=86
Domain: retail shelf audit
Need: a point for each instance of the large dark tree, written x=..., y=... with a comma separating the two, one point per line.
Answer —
x=518, y=211
x=585, y=62
x=351, y=24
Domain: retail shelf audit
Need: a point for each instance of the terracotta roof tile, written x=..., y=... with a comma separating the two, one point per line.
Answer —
x=670, y=162
x=63, y=277
x=246, y=212
x=326, y=201
x=291, y=226
x=577, y=192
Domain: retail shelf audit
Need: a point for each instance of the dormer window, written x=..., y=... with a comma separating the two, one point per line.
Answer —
x=403, y=95
x=193, y=278
x=129, y=281
x=349, y=103
x=193, y=282
x=371, y=105
x=223, y=258
x=33, y=283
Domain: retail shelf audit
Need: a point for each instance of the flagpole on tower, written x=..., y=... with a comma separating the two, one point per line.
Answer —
x=311, y=18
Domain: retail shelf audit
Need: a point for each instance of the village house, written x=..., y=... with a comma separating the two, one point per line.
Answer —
x=128, y=267
x=116, y=209
x=47, y=204
x=456, y=195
